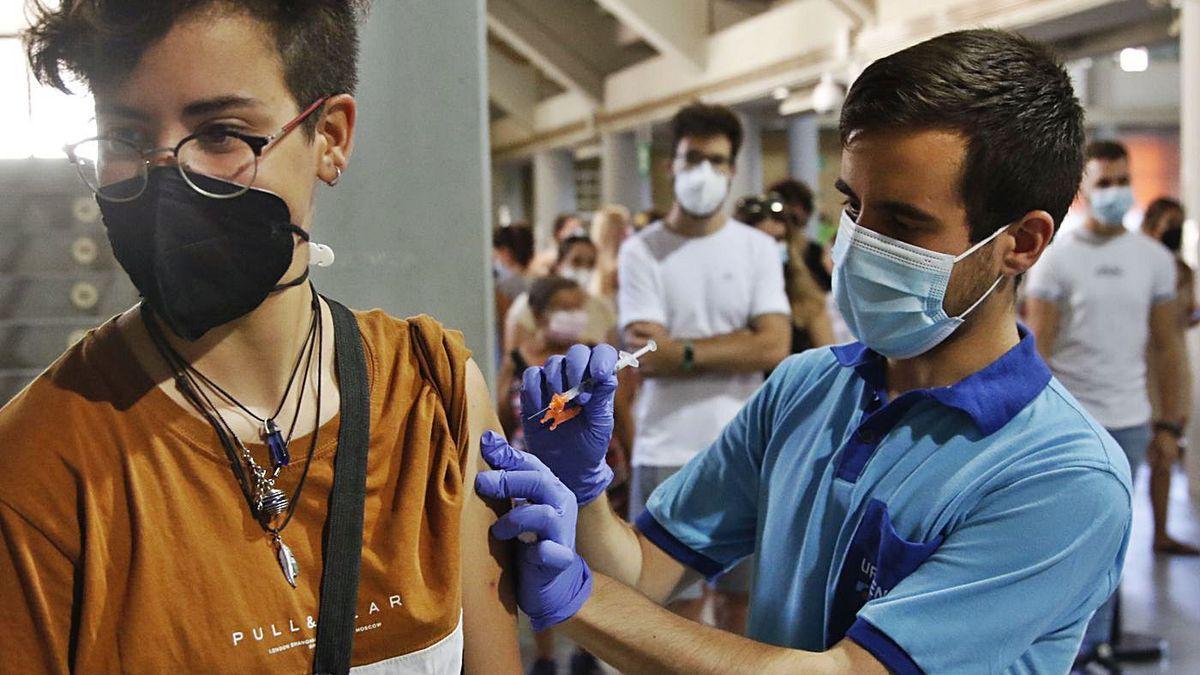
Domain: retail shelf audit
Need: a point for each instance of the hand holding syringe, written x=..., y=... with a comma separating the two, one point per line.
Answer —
x=557, y=412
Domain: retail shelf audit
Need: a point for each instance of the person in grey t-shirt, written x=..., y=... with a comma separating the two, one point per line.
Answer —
x=1098, y=301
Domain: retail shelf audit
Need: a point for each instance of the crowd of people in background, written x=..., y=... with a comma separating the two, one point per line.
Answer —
x=694, y=279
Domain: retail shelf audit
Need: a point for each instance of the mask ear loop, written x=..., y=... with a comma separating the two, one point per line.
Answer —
x=982, y=297
x=1000, y=278
x=982, y=243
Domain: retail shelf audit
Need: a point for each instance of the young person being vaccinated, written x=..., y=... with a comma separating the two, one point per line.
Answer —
x=165, y=484
x=928, y=499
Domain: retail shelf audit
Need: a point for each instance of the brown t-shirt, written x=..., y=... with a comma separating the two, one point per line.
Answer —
x=126, y=544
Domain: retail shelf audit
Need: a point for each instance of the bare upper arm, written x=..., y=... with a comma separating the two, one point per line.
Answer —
x=1164, y=325
x=1042, y=311
x=1043, y=321
x=489, y=606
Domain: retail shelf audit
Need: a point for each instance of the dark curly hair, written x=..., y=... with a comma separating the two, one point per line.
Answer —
x=701, y=120
x=101, y=41
x=1007, y=95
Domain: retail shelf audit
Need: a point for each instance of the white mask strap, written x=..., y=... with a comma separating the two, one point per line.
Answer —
x=982, y=298
x=983, y=243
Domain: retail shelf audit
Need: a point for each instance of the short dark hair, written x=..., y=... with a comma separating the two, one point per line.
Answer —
x=794, y=193
x=542, y=291
x=701, y=120
x=103, y=40
x=518, y=239
x=564, y=248
x=1007, y=95
x=1109, y=151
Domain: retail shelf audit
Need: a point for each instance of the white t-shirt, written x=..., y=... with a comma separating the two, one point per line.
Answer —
x=697, y=287
x=1104, y=289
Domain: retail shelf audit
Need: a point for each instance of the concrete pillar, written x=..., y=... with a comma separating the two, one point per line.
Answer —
x=1189, y=139
x=623, y=178
x=553, y=189
x=749, y=177
x=804, y=156
x=410, y=221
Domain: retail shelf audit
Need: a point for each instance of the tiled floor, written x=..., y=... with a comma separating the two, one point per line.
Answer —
x=1161, y=595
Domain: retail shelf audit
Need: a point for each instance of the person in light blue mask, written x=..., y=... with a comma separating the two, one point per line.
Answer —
x=1102, y=304
x=927, y=499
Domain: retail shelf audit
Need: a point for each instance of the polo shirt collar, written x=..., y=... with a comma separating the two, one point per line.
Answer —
x=991, y=397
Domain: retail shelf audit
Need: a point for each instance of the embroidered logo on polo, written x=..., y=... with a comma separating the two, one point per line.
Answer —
x=876, y=561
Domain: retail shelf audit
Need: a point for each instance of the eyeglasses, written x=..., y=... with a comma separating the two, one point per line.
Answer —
x=118, y=170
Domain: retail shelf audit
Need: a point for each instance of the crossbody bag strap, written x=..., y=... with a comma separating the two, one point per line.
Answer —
x=344, y=526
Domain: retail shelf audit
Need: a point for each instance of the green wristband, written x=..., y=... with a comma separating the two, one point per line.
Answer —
x=689, y=357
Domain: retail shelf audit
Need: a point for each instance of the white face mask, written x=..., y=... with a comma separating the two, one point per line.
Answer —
x=701, y=189
x=580, y=275
x=567, y=327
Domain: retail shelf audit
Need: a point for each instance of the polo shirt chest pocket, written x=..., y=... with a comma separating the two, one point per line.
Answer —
x=876, y=561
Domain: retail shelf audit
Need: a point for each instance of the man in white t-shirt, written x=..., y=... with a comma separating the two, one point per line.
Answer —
x=710, y=291
x=1098, y=300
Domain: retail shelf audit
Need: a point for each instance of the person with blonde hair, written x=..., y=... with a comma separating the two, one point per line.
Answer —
x=610, y=226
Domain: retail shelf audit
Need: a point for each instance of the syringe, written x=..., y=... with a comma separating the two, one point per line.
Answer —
x=557, y=411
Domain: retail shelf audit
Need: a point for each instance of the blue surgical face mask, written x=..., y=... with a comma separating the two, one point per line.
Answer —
x=1109, y=205
x=890, y=293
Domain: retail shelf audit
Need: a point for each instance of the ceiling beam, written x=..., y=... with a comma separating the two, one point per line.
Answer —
x=859, y=12
x=512, y=86
x=509, y=22
x=673, y=27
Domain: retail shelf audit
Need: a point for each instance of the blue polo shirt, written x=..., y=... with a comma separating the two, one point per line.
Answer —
x=969, y=528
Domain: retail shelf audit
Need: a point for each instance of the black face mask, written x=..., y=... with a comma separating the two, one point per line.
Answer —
x=1173, y=239
x=200, y=262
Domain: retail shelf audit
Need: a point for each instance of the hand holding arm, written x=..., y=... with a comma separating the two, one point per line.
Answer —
x=622, y=626
x=553, y=582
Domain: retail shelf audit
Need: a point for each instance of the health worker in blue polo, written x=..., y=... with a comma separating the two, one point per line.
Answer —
x=928, y=499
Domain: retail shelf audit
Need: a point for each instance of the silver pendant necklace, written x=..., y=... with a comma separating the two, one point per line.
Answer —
x=267, y=502
x=287, y=561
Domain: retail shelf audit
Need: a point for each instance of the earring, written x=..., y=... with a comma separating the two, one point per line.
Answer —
x=336, y=178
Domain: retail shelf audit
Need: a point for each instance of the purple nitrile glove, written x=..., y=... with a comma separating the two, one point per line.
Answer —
x=575, y=450
x=553, y=581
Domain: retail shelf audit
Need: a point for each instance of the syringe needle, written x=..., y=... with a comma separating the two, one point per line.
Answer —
x=624, y=360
